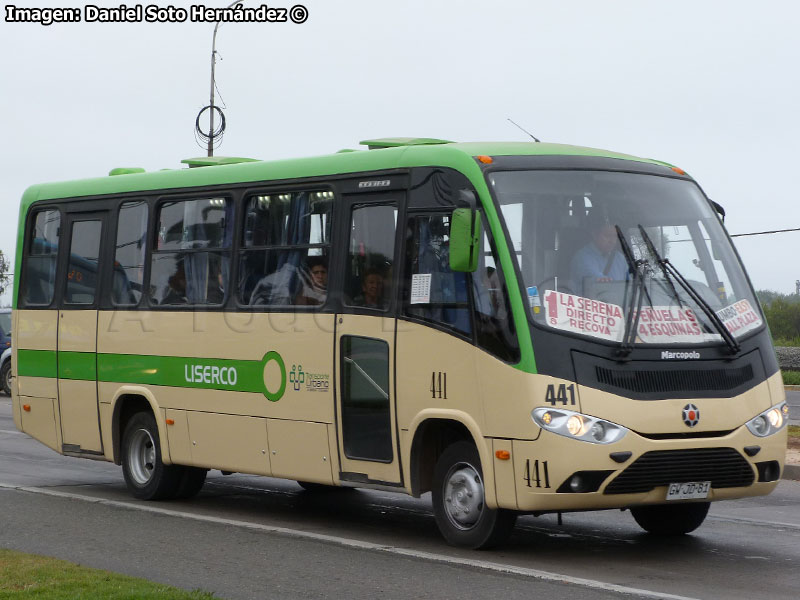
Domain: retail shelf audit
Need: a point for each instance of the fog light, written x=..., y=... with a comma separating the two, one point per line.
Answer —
x=576, y=483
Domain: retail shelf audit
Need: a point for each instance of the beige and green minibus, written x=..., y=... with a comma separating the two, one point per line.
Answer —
x=517, y=328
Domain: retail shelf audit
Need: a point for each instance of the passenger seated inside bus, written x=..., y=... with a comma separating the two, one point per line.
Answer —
x=372, y=286
x=176, y=290
x=314, y=282
x=599, y=261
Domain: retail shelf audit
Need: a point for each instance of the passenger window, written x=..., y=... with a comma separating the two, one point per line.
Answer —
x=368, y=280
x=494, y=322
x=191, y=259
x=128, y=274
x=40, y=268
x=286, y=243
x=433, y=292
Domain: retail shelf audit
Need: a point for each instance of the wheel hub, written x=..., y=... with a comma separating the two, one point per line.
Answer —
x=463, y=496
x=142, y=456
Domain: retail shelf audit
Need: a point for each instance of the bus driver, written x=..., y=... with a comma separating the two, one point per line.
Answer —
x=600, y=260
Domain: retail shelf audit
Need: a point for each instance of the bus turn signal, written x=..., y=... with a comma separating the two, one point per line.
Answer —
x=503, y=454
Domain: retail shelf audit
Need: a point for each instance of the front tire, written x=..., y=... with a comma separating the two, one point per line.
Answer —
x=146, y=476
x=671, y=519
x=459, y=501
x=5, y=377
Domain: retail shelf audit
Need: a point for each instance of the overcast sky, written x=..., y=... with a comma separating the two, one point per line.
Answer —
x=713, y=87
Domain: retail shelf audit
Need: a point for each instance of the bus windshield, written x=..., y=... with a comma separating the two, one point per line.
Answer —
x=624, y=257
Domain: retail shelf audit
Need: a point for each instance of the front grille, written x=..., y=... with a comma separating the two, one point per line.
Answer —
x=723, y=467
x=683, y=380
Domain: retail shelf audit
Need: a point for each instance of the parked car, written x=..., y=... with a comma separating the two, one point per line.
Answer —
x=5, y=346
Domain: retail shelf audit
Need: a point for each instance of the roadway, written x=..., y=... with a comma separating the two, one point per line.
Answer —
x=254, y=537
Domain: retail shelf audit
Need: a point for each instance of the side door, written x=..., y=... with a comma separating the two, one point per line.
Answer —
x=82, y=261
x=365, y=337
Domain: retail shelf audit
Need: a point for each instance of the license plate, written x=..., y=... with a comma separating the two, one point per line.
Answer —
x=688, y=491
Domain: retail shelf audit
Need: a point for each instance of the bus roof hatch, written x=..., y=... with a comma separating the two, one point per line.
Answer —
x=401, y=141
x=214, y=161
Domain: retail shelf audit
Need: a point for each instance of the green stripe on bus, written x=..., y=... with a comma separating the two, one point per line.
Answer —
x=77, y=365
x=37, y=363
x=173, y=371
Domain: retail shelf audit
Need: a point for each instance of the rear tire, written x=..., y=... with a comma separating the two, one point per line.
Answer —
x=146, y=476
x=458, y=501
x=192, y=481
x=5, y=377
x=671, y=519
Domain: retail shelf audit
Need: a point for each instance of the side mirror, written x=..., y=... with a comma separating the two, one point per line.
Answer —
x=719, y=209
x=465, y=228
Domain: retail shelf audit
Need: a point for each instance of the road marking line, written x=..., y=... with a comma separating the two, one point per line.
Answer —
x=777, y=524
x=362, y=545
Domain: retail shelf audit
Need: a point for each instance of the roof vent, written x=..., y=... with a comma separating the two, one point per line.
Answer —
x=125, y=171
x=401, y=141
x=215, y=161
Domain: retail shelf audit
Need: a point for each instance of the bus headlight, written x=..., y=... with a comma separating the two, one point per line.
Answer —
x=578, y=426
x=770, y=421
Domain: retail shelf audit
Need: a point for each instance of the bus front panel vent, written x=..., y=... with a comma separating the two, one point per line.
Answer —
x=661, y=379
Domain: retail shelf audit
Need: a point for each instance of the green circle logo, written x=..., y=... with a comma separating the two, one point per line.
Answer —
x=278, y=394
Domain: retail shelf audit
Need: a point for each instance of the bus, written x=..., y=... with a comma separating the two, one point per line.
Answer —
x=516, y=328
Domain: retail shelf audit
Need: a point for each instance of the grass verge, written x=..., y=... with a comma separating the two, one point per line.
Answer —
x=791, y=377
x=30, y=576
x=794, y=431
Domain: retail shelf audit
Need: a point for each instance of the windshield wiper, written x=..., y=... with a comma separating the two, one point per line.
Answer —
x=639, y=291
x=670, y=270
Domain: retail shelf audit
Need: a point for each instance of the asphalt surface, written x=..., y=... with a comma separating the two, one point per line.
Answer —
x=254, y=537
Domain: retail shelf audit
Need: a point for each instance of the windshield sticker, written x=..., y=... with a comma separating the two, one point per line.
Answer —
x=669, y=324
x=534, y=302
x=740, y=317
x=584, y=315
x=420, y=288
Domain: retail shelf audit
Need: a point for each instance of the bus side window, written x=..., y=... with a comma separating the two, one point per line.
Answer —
x=40, y=267
x=286, y=239
x=370, y=261
x=432, y=291
x=128, y=273
x=494, y=322
x=191, y=260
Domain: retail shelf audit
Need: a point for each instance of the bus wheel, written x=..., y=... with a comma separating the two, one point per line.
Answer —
x=146, y=476
x=458, y=501
x=671, y=519
x=192, y=481
x=5, y=377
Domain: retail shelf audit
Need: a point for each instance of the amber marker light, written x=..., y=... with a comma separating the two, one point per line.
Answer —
x=679, y=171
x=503, y=454
x=26, y=407
x=170, y=421
x=547, y=418
x=487, y=160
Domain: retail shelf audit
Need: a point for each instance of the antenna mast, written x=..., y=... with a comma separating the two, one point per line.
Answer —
x=535, y=139
x=213, y=109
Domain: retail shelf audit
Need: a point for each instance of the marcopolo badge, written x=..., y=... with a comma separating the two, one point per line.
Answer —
x=691, y=415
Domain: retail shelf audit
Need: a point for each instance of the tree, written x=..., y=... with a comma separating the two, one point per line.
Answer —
x=5, y=278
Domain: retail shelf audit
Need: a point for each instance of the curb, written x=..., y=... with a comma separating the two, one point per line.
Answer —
x=792, y=388
x=791, y=472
